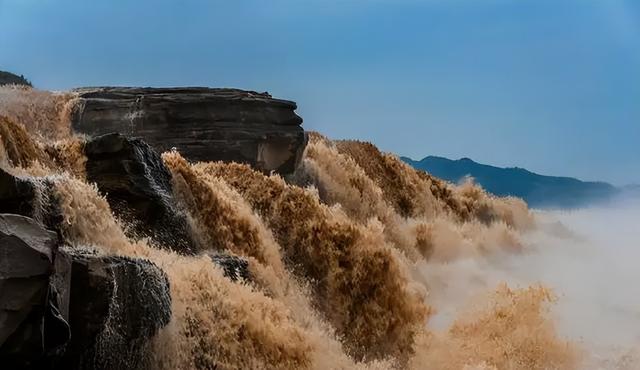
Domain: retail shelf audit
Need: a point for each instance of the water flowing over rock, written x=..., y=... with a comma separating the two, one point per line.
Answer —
x=29, y=197
x=203, y=124
x=342, y=266
x=63, y=308
x=138, y=187
x=235, y=268
x=116, y=305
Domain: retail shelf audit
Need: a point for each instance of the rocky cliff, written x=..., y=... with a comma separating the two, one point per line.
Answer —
x=203, y=124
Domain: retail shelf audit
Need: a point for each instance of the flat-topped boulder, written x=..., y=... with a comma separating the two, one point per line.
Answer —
x=203, y=124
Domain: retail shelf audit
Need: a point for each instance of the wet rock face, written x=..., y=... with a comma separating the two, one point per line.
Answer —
x=235, y=268
x=138, y=187
x=203, y=124
x=63, y=308
x=31, y=328
x=16, y=194
x=116, y=305
x=31, y=198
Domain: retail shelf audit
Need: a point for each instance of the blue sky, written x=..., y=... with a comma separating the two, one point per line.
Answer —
x=549, y=85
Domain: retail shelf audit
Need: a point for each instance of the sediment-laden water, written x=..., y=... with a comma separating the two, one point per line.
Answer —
x=357, y=260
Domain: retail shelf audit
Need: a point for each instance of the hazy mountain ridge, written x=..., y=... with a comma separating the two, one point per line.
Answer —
x=8, y=78
x=537, y=190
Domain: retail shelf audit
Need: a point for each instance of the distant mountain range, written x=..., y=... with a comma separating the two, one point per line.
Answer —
x=538, y=191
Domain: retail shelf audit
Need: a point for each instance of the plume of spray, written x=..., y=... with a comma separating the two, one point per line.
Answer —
x=229, y=224
x=45, y=114
x=215, y=322
x=35, y=127
x=358, y=282
x=462, y=223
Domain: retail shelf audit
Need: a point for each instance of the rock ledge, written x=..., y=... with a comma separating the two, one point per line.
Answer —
x=203, y=124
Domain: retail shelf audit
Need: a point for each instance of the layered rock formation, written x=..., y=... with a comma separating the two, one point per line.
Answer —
x=203, y=124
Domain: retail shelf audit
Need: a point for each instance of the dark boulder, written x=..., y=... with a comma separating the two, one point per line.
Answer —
x=63, y=308
x=116, y=305
x=29, y=197
x=138, y=188
x=16, y=194
x=203, y=124
x=31, y=326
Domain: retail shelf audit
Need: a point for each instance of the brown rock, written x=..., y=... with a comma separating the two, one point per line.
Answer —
x=116, y=305
x=203, y=124
x=138, y=187
x=31, y=327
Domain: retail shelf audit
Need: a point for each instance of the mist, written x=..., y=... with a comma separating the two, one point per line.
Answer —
x=588, y=259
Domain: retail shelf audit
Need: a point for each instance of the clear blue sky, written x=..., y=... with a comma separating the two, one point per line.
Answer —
x=549, y=85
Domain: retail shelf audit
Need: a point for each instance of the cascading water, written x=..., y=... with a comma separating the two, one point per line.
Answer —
x=355, y=261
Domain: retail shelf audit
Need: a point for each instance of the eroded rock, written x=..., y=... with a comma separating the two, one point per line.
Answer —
x=31, y=197
x=138, y=188
x=63, y=308
x=116, y=305
x=16, y=194
x=31, y=328
x=203, y=124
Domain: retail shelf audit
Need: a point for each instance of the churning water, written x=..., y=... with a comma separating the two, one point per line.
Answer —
x=357, y=261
